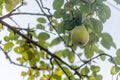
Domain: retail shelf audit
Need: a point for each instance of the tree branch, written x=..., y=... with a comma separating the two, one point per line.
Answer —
x=36, y=44
x=86, y=62
x=7, y=56
x=23, y=13
x=62, y=69
x=27, y=13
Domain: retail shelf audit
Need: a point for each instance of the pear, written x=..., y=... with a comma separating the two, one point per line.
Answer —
x=79, y=35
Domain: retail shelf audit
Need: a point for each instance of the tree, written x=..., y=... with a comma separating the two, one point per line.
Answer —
x=53, y=30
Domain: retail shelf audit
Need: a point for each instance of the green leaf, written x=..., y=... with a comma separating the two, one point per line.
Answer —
x=37, y=74
x=98, y=77
x=71, y=57
x=56, y=77
x=117, y=60
x=42, y=54
x=25, y=55
x=11, y=5
x=55, y=21
x=44, y=43
x=6, y=38
x=95, y=68
x=118, y=53
x=31, y=77
x=7, y=1
x=44, y=66
x=15, y=37
x=68, y=71
x=43, y=36
x=1, y=9
x=97, y=25
x=93, y=38
x=40, y=26
x=60, y=28
x=11, y=35
x=115, y=70
x=72, y=22
x=1, y=1
x=21, y=60
x=103, y=57
x=66, y=16
x=59, y=13
x=55, y=41
x=8, y=46
x=34, y=34
x=95, y=48
x=23, y=73
x=107, y=41
x=19, y=49
x=1, y=26
x=57, y=4
x=66, y=53
x=59, y=72
x=85, y=70
x=41, y=20
x=104, y=12
x=92, y=77
x=59, y=53
x=99, y=1
x=69, y=25
x=117, y=1
x=32, y=62
x=85, y=9
x=89, y=52
x=63, y=53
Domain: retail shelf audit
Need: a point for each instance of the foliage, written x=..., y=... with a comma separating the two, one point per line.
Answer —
x=34, y=44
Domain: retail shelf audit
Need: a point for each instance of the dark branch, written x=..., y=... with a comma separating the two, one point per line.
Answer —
x=25, y=13
x=14, y=21
x=36, y=44
x=86, y=62
x=52, y=68
x=62, y=69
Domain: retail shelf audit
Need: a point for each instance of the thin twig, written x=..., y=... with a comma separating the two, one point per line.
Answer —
x=17, y=64
x=63, y=69
x=45, y=7
x=40, y=7
x=27, y=13
x=52, y=68
x=22, y=13
x=86, y=62
x=7, y=56
x=14, y=21
x=70, y=9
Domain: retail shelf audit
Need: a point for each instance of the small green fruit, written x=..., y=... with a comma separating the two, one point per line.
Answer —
x=80, y=35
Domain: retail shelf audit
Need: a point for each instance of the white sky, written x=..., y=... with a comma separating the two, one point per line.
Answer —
x=11, y=72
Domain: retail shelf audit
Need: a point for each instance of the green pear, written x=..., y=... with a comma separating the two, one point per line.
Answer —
x=80, y=36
